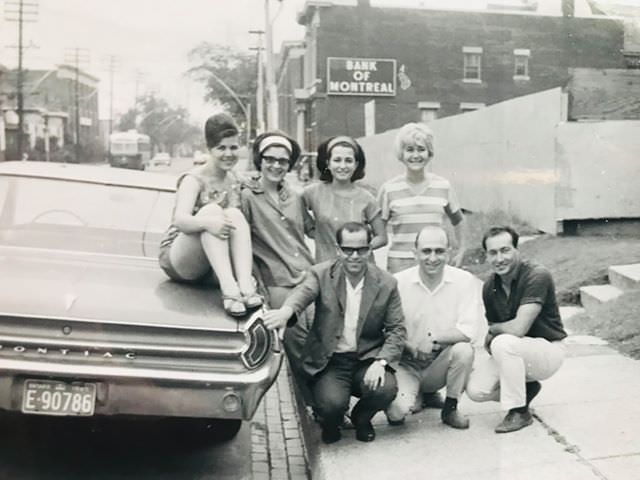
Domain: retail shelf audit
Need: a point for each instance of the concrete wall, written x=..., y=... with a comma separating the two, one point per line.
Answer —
x=499, y=157
x=598, y=170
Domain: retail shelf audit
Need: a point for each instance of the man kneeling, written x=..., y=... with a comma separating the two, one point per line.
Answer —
x=442, y=310
x=525, y=331
x=356, y=337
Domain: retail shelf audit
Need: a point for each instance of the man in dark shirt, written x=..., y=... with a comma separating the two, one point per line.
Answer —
x=525, y=331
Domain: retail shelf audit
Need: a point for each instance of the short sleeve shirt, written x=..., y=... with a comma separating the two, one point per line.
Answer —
x=277, y=234
x=532, y=283
x=407, y=209
x=332, y=209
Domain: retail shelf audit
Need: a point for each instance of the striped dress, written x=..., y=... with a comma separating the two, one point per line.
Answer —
x=408, y=208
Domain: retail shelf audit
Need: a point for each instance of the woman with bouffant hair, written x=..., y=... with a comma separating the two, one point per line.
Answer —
x=337, y=199
x=208, y=231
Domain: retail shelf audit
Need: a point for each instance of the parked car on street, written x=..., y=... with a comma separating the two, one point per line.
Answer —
x=161, y=158
x=89, y=323
x=200, y=158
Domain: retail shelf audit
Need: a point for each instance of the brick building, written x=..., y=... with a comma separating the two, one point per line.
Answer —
x=364, y=69
x=50, y=98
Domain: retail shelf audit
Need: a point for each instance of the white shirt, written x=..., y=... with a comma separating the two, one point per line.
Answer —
x=455, y=302
x=348, y=341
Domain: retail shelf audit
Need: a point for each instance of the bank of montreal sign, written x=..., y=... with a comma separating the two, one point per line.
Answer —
x=371, y=77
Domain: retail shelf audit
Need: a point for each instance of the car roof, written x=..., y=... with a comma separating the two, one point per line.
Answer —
x=99, y=174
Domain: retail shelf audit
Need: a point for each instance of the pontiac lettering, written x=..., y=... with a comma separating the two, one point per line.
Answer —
x=66, y=351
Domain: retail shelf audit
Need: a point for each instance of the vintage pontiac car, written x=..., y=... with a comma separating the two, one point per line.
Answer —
x=89, y=323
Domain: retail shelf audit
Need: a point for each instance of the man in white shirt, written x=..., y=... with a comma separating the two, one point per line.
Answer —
x=443, y=311
x=357, y=334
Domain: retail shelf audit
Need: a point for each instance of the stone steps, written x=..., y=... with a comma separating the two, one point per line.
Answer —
x=625, y=277
x=621, y=279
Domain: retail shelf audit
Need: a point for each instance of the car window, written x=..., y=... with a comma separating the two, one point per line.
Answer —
x=69, y=215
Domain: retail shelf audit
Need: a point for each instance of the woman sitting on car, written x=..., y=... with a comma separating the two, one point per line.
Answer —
x=208, y=230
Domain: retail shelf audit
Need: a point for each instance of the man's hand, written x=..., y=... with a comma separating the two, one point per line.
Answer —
x=456, y=260
x=487, y=342
x=374, y=376
x=277, y=319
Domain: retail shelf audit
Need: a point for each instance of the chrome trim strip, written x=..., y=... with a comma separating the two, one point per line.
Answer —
x=125, y=324
x=88, y=345
x=95, y=371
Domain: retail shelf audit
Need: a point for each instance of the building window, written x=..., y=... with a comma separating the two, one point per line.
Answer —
x=470, y=106
x=428, y=111
x=521, y=64
x=472, y=69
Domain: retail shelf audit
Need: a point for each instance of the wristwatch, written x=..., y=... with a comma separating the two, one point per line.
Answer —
x=382, y=362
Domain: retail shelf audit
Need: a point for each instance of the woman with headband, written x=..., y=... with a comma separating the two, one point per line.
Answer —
x=337, y=199
x=279, y=220
x=208, y=230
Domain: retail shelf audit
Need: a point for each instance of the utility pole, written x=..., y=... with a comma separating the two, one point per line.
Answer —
x=20, y=11
x=139, y=76
x=75, y=56
x=272, y=89
x=112, y=62
x=260, y=127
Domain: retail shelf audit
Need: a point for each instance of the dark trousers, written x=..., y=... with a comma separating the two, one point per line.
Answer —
x=343, y=376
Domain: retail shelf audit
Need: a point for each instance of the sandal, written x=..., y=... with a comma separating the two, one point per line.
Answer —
x=233, y=305
x=253, y=300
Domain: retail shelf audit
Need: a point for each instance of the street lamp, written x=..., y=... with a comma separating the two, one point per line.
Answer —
x=246, y=109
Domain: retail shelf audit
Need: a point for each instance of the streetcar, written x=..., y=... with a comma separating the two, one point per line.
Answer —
x=129, y=150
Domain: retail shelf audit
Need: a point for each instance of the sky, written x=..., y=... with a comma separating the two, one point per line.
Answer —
x=150, y=38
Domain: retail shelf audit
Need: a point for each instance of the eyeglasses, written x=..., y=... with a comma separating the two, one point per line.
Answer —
x=272, y=161
x=361, y=251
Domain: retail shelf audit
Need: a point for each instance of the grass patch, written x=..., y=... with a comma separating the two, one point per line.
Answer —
x=615, y=321
x=573, y=261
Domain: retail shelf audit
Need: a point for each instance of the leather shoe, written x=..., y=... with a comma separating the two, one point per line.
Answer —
x=365, y=432
x=514, y=421
x=454, y=419
x=331, y=434
x=432, y=400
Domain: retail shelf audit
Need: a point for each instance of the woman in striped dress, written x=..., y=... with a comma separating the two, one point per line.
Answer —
x=418, y=198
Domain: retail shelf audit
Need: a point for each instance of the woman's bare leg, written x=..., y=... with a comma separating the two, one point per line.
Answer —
x=241, y=251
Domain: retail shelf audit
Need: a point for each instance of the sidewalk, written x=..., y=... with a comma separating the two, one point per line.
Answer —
x=587, y=426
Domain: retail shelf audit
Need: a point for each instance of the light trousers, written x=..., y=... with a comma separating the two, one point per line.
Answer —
x=451, y=368
x=513, y=362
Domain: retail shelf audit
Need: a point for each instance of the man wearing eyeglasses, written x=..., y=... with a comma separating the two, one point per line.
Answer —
x=443, y=313
x=525, y=338
x=357, y=335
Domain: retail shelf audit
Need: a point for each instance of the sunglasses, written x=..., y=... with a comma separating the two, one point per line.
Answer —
x=361, y=251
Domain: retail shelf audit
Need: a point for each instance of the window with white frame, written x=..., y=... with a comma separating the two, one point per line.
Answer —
x=428, y=111
x=472, y=69
x=521, y=63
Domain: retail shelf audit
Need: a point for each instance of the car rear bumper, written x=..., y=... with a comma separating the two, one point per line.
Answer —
x=156, y=392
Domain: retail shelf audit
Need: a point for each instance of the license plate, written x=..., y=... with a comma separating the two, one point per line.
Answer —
x=47, y=397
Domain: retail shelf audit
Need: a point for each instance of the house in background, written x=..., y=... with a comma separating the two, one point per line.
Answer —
x=51, y=99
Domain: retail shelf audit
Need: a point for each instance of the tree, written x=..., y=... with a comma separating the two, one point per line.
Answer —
x=166, y=126
x=236, y=69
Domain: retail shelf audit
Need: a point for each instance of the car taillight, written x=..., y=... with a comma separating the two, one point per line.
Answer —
x=259, y=341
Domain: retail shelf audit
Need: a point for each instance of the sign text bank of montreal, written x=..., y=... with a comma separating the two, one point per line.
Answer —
x=361, y=76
